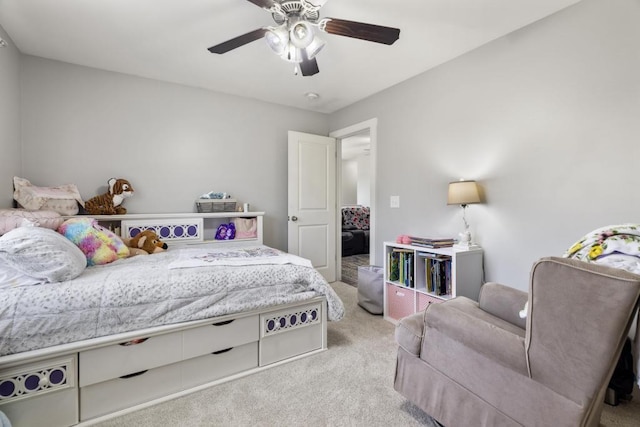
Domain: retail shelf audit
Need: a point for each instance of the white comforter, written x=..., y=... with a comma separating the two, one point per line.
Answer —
x=147, y=291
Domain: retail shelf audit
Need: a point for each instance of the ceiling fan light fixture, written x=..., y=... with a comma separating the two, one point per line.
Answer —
x=292, y=54
x=294, y=36
x=315, y=47
x=277, y=39
x=301, y=34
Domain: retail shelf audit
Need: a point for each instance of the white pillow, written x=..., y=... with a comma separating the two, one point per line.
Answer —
x=41, y=254
x=10, y=277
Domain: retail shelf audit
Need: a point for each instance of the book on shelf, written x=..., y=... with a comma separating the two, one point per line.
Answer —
x=401, y=266
x=438, y=275
x=439, y=242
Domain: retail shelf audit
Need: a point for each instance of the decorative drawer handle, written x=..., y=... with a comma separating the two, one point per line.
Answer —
x=226, y=322
x=223, y=351
x=133, y=342
x=44, y=382
x=135, y=374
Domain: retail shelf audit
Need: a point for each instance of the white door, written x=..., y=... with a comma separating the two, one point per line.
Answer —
x=312, y=200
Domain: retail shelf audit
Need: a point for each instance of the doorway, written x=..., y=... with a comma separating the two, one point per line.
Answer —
x=356, y=193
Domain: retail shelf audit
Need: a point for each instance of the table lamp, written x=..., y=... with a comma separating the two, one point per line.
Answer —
x=463, y=193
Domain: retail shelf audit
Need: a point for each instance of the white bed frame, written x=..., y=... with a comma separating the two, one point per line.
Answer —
x=97, y=379
x=89, y=381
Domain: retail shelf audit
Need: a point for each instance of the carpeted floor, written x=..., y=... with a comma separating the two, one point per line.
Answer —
x=350, y=266
x=351, y=384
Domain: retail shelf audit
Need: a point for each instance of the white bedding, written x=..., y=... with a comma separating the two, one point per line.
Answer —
x=143, y=291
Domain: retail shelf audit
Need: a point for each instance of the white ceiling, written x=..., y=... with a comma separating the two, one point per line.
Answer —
x=356, y=146
x=168, y=40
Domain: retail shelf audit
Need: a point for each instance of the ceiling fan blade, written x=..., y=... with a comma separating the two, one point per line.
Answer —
x=238, y=41
x=265, y=4
x=360, y=30
x=308, y=67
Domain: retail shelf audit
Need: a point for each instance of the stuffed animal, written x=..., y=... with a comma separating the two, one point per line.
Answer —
x=110, y=202
x=404, y=239
x=226, y=232
x=145, y=242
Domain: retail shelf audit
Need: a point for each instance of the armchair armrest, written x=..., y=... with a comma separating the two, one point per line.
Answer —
x=503, y=302
x=409, y=332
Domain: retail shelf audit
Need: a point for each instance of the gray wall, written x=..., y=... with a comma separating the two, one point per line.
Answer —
x=9, y=119
x=349, y=182
x=81, y=125
x=546, y=119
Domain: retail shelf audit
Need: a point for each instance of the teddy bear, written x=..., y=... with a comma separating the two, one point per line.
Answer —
x=110, y=203
x=145, y=243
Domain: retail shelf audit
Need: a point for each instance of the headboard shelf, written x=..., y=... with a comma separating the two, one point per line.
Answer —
x=182, y=228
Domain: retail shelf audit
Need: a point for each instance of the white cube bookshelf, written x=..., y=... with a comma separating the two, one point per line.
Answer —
x=426, y=276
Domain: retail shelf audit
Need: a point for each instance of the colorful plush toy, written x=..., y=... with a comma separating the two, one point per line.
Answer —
x=99, y=245
x=110, y=202
x=145, y=242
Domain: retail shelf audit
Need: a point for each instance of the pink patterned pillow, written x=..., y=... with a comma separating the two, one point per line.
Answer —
x=14, y=218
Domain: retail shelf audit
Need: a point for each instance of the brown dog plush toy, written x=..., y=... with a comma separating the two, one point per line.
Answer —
x=146, y=242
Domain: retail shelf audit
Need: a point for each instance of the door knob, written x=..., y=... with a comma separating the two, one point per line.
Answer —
x=294, y=218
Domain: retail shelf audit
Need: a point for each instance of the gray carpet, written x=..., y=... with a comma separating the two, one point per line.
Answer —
x=350, y=266
x=351, y=384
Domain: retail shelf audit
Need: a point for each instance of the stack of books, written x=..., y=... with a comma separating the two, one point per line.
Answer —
x=440, y=242
x=437, y=274
x=401, y=266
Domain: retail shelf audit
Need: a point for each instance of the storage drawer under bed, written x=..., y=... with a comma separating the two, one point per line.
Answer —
x=217, y=365
x=113, y=361
x=290, y=332
x=219, y=336
x=129, y=390
x=140, y=387
x=116, y=360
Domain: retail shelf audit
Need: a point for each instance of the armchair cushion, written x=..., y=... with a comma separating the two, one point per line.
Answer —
x=464, y=321
x=503, y=302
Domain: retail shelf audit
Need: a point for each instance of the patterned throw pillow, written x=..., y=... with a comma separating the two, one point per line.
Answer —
x=98, y=244
x=14, y=218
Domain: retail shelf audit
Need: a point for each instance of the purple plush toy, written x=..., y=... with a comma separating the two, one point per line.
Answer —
x=226, y=232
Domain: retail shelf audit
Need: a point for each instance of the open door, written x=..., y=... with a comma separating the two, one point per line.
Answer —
x=312, y=200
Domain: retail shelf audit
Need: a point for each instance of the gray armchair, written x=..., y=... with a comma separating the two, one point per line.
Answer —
x=478, y=363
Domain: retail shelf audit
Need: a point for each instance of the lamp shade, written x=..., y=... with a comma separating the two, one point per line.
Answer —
x=463, y=193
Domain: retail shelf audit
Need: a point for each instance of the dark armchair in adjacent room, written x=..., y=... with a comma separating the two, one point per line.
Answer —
x=478, y=363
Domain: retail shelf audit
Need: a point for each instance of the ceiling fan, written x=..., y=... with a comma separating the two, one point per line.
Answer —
x=294, y=37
